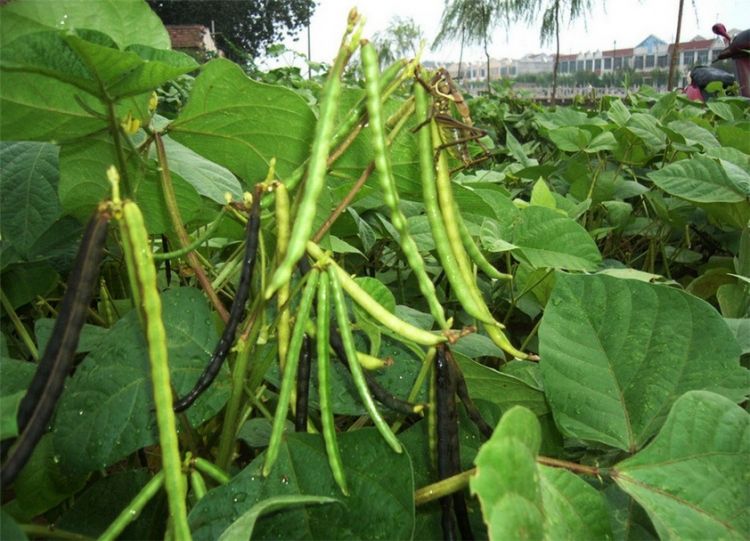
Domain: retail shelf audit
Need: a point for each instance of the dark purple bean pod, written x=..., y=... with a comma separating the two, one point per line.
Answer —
x=235, y=314
x=38, y=405
x=463, y=393
x=303, y=387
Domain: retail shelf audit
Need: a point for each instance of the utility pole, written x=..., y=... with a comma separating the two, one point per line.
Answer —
x=675, y=50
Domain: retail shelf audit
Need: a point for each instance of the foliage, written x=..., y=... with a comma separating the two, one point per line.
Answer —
x=623, y=222
x=244, y=28
x=401, y=39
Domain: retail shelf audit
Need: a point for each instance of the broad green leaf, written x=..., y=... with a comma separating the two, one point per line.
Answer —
x=507, y=479
x=517, y=151
x=501, y=389
x=380, y=504
x=208, y=178
x=90, y=336
x=618, y=113
x=242, y=528
x=573, y=509
x=692, y=479
x=722, y=110
x=542, y=196
x=29, y=280
x=741, y=330
x=96, y=508
x=646, y=128
x=570, y=138
x=44, y=482
x=546, y=238
x=125, y=21
x=242, y=124
x=603, y=141
x=615, y=354
x=29, y=203
x=693, y=133
x=734, y=135
x=106, y=411
x=378, y=291
x=699, y=179
x=9, y=528
x=9, y=404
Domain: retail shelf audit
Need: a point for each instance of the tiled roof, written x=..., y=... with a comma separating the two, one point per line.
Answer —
x=187, y=36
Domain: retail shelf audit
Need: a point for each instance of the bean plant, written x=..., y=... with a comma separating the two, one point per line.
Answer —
x=370, y=309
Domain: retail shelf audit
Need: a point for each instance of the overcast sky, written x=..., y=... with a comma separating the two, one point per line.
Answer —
x=626, y=22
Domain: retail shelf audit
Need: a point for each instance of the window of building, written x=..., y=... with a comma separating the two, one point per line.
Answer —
x=482, y=73
x=639, y=62
x=650, y=61
x=579, y=65
x=618, y=63
x=504, y=72
x=627, y=61
x=715, y=54
x=688, y=58
x=607, y=63
x=662, y=61
x=589, y=65
x=512, y=70
x=597, y=64
x=703, y=57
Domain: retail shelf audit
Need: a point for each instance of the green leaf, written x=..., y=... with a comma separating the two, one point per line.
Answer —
x=97, y=507
x=125, y=21
x=692, y=479
x=615, y=354
x=29, y=280
x=8, y=412
x=546, y=238
x=9, y=528
x=603, y=141
x=242, y=124
x=242, y=528
x=570, y=138
x=44, y=482
x=209, y=179
x=646, y=128
x=106, y=411
x=542, y=196
x=693, y=133
x=380, y=505
x=573, y=509
x=618, y=113
x=29, y=204
x=90, y=337
x=507, y=480
x=502, y=389
x=741, y=330
x=699, y=179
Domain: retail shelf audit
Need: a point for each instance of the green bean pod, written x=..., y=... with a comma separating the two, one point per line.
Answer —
x=476, y=254
x=356, y=370
x=324, y=391
x=136, y=238
x=283, y=221
x=445, y=252
x=134, y=508
x=290, y=371
x=316, y=173
x=198, y=485
x=213, y=226
x=388, y=183
x=375, y=309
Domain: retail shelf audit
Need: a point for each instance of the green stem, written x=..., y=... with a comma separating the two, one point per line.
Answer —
x=20, y=329
x=212, y=470
x=174, y=215
x=114, y=127
x=51, y=532
x=133, y=509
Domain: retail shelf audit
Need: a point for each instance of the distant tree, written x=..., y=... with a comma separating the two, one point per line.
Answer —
x=553, y=11
x=400, y=40
x=244, y=28
x=471, y=22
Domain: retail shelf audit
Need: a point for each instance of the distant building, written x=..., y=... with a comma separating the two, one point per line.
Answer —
x=193, y=39
x=649, y=55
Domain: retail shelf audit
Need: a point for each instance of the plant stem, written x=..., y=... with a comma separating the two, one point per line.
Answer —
x=212, y=470
x=133, y=509
x=460, y=481
x=50, y=532
x=114, y=127
x=174, y=214
x=20, y=329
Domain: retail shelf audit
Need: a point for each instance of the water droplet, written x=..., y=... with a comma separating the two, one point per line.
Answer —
x=80, y=412
x=56, y=459
x=133, y=512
